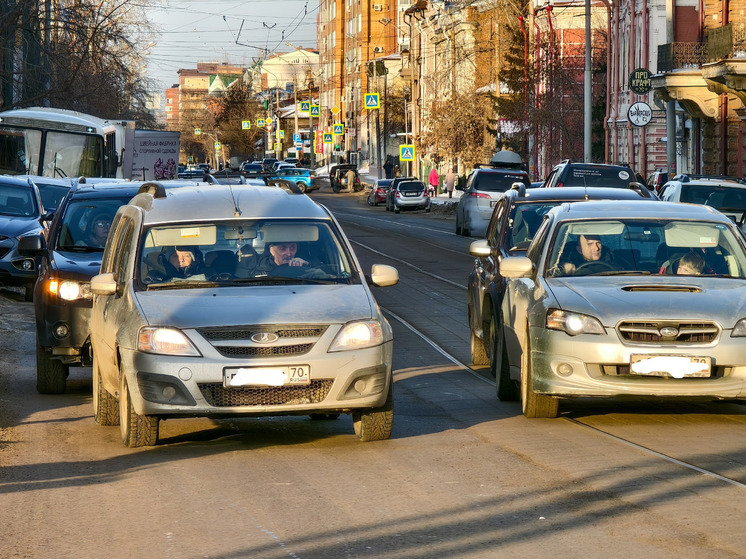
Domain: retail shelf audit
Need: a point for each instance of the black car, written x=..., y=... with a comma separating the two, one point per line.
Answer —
x=338, y=177
x=69, y=256
x=252, y=170
x=574, y=173
x=268, y=164
x=52, y=190
x=21, y=214
x=515, y=220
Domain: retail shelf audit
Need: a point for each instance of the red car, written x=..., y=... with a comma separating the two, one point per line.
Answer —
x=377, y=194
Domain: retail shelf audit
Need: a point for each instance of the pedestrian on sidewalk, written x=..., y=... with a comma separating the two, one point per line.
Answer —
x=388, y=168
x=397, y=171
x=450, y=181
x=434, y=180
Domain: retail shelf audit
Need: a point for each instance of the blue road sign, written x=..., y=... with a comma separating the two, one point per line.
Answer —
x=305, y=106
x=296, y=138
x=406, y=152
x=372, y=101
x=338, y=129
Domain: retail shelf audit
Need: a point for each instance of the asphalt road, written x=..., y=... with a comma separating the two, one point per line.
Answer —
x=463, y=475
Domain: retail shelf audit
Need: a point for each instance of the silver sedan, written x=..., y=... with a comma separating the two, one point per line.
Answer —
x=626, y=299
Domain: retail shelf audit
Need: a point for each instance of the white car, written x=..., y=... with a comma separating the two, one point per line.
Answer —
x=724, y=194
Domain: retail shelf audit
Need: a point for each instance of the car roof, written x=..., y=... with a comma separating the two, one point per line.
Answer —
x=592, y=165
x=14, y=181
x=127, y=188
x=45, y=180
x=707, y=182
x=222, y=202
x=616, y=209
x=571, y=193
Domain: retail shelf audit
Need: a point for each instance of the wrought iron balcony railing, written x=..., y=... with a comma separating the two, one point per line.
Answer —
x=678, y=56
x=728, y=41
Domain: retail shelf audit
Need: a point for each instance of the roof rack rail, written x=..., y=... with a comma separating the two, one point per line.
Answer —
x=288, y=186
x=640, y=188
x=520, y=187
x=155, y=189
x=686, y=177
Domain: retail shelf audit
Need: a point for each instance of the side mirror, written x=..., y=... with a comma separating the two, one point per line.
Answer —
x=516, y=267
x=480, y=249
x=103, y=284
x=383, y=276
x=33, y=245
x=48, y=216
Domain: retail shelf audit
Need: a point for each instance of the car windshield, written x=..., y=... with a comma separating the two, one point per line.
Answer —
x=51, y=194
x=718, y=197
x=17, y=201
x=498, y=182
x=86, y=223
x=615, y=177
x=524, y=222
x=633, y=246
x=241, y=252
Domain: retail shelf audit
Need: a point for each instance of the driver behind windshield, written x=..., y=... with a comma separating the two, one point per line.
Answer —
x=589, y=249
x=279, y=254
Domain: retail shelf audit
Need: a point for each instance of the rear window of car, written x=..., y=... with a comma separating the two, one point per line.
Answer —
x=615, y=177
x=718, y=197
x=252, y=167
x=499, y=182
x=411, y=186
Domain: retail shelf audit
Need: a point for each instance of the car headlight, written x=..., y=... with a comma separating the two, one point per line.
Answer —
x=573, y=323
x=70, y=290
x=358, y=335
x=739, y=330
x=165, y=341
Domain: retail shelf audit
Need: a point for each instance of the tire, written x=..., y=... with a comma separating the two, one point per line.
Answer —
x=534, y=405
x=478, y=353
x=397, y=209
x=137, y=430
x=506, y=388
x=427, y=210
x=51, y=374
x=370, y=202
x=302, y=186
x=105, y=406
x=375, y=424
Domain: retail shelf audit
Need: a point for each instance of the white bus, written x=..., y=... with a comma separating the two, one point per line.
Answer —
x=61, y=143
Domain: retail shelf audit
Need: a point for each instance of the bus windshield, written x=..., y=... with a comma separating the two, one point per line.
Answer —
x=65, y=154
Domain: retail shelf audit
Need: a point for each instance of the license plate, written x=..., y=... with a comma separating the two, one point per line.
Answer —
x=411, y=194
x=676, y=366
x=267, y=376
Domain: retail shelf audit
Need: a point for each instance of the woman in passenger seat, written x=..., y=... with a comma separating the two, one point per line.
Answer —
x=182, y=262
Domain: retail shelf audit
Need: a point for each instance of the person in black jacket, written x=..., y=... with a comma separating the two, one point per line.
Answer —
x=182, y=262
x=588, y=252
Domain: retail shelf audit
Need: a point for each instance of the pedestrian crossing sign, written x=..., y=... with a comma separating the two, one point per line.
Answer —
x=260, y=122
x=372, y=101
x=327, y=138
x=338, y=129
x=315, y=110
x=406, y=152
x=305, y=106
x=245, y=124
x=197, y=131
x=282, y=133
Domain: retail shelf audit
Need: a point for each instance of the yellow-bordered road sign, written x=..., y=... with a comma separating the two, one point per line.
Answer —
x=338, y=129
x=328, y=138
x=372, y=101
x=406, y=152
x=245, y=124
x=315, y=110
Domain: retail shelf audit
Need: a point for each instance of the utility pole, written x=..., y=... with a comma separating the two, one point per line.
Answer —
x=587, y=131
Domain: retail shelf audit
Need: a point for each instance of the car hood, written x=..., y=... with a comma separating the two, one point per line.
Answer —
x=226, y=306
x=614, y=299
x=81, y=265
x=15, y=226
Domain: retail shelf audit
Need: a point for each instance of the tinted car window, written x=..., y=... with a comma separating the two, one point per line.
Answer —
x=526, y=220
x=412, y=186
x=579, y=175
x=15, y=201
x=718, y=197
x=498, y=182
x=51, y=194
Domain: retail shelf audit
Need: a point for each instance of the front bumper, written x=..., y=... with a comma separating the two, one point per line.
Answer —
x=53, y=314
x=16, y=270
x=599, y=366
x=340, y=382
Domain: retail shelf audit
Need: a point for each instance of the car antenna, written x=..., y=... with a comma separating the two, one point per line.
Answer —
x=236, y=212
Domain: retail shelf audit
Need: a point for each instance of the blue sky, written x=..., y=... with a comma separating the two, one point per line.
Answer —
x=238, y=32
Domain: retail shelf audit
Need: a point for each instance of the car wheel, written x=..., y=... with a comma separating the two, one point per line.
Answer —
x=533, y=404
x=51, y=374
x=323, y=416
x=427, y=208
x=375, y=424
x=370, y=202
x=397, y=209
x=478, y=353
x=137, y=430
x=105, y=406
x=302, y=186
x=505, y=387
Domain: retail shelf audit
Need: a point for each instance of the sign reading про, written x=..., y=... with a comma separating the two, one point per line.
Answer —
x=639, y=81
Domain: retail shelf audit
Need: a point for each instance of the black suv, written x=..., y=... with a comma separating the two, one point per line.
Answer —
x=69, y=256
x=573, y=173
x=515, y=220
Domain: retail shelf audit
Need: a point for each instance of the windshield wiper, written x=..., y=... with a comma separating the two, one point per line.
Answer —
x=623, y=273
x=182, y=284
x=76, y=248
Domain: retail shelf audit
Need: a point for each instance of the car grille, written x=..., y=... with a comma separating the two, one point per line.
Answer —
x=668, y=332
x=236, y=342
x=219, y=396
